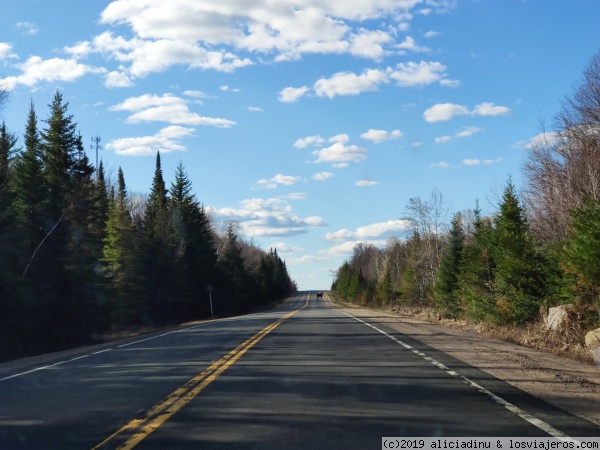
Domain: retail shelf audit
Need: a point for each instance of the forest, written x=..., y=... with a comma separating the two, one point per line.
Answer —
x=539, y=248
x=80, y=256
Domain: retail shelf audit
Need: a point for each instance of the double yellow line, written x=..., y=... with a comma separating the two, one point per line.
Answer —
x=139, y=429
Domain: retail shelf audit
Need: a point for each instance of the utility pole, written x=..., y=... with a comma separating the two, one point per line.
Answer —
x=96, y=145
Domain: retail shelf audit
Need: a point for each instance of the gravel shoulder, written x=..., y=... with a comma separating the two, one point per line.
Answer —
x=567, y=384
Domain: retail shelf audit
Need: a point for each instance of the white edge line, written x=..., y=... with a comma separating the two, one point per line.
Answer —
x=545, y=427
x=130, y=343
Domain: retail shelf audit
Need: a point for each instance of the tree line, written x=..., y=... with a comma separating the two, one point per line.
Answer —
x=80, y=256
x=540, y=247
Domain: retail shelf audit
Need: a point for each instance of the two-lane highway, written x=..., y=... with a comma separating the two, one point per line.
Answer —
x=302, y=376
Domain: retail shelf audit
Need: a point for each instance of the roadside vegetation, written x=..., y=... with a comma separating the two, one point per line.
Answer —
x=80, y=256
x=540, y=247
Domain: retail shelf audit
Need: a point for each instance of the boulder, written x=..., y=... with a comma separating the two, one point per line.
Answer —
x=592, y=339
x=559, y=317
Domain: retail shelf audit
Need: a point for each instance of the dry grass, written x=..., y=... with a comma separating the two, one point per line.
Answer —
x=567, y=342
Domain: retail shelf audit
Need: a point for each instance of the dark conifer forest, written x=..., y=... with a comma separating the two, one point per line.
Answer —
x=79, y=256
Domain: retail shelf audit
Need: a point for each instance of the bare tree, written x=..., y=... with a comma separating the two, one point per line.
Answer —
x=563, y=166
x=429, y=218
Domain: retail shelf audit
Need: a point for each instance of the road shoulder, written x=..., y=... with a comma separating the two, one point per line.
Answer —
x=567, y=384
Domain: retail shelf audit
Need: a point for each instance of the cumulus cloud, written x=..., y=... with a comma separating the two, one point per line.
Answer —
x=464, y=133
x=547, y=138
x=441, y=165
x=340, y=153
x=279, y=179
x=202, y=33
x=322, y=176
x=282, y=247
x=37, y=69
x=443, y=112
x=379, y=136
x=270, y=217
x=6, y=51
x=166, y=108
x=373, y=231
x=166, y=140
x=309, y=140
x=410, y=74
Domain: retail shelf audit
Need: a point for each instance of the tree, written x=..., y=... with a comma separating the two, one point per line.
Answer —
x=519, y=274
x=582, y=250
x=194, y=247
x=563, y=165
x=29, y=192
x=446, y=287
x=118, y=252
x=428, y=218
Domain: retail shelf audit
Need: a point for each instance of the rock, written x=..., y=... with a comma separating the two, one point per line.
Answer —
x=558, y=317
x=592, y=339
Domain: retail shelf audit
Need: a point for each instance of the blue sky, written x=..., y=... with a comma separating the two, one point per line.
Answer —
x=309, y=122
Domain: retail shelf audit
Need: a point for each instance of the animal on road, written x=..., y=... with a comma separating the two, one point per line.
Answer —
x=319, y=295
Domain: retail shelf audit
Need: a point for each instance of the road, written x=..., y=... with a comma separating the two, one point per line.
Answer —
x=303, y=376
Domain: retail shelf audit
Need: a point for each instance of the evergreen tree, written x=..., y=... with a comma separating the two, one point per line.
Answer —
x=519, y=273
x=29, y=192
x=582, y=250
x=156, y=221
x=194, y=249
x=446, y=285
x=476, y=281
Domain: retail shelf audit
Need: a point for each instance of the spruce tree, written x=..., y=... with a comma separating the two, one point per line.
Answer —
x=446, y=286
x=519, y=273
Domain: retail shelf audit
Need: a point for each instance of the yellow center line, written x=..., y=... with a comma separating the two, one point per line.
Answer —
x=166, y=408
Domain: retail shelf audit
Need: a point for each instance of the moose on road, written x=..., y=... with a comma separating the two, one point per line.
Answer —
x=319, y=295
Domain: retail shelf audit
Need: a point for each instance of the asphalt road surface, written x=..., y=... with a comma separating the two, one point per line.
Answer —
x=303, y=376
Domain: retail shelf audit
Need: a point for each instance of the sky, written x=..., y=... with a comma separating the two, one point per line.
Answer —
x=310, y=123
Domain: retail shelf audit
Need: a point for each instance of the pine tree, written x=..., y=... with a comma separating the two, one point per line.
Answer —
x=156, y=221
x=446, y=285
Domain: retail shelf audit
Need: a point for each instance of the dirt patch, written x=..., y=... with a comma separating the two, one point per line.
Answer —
x=571, y=385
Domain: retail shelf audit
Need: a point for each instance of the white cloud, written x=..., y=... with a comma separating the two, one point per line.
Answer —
x=441, y=165
x=544, y=139
x=463, y=133
x=290, y=94
x=28, y=28
x=408, y=74
x=253, y=109
x=36, y=70
x=268, y=217
x=309, y=140
x=365, y=183
x=117, y=79
x=166, y=108
x=165, y=141
x=431, y=34
x=283, y=30
x=492, y=161
x=373, y=231
x=340, y=153
x=282, y=247
x=471, y=162
x=443, y=112
x=322, y=176
x=294, y=196
x=410, y=45
x=279, y=179
x=306, y=259
x=379, y=136
x=6, y=51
